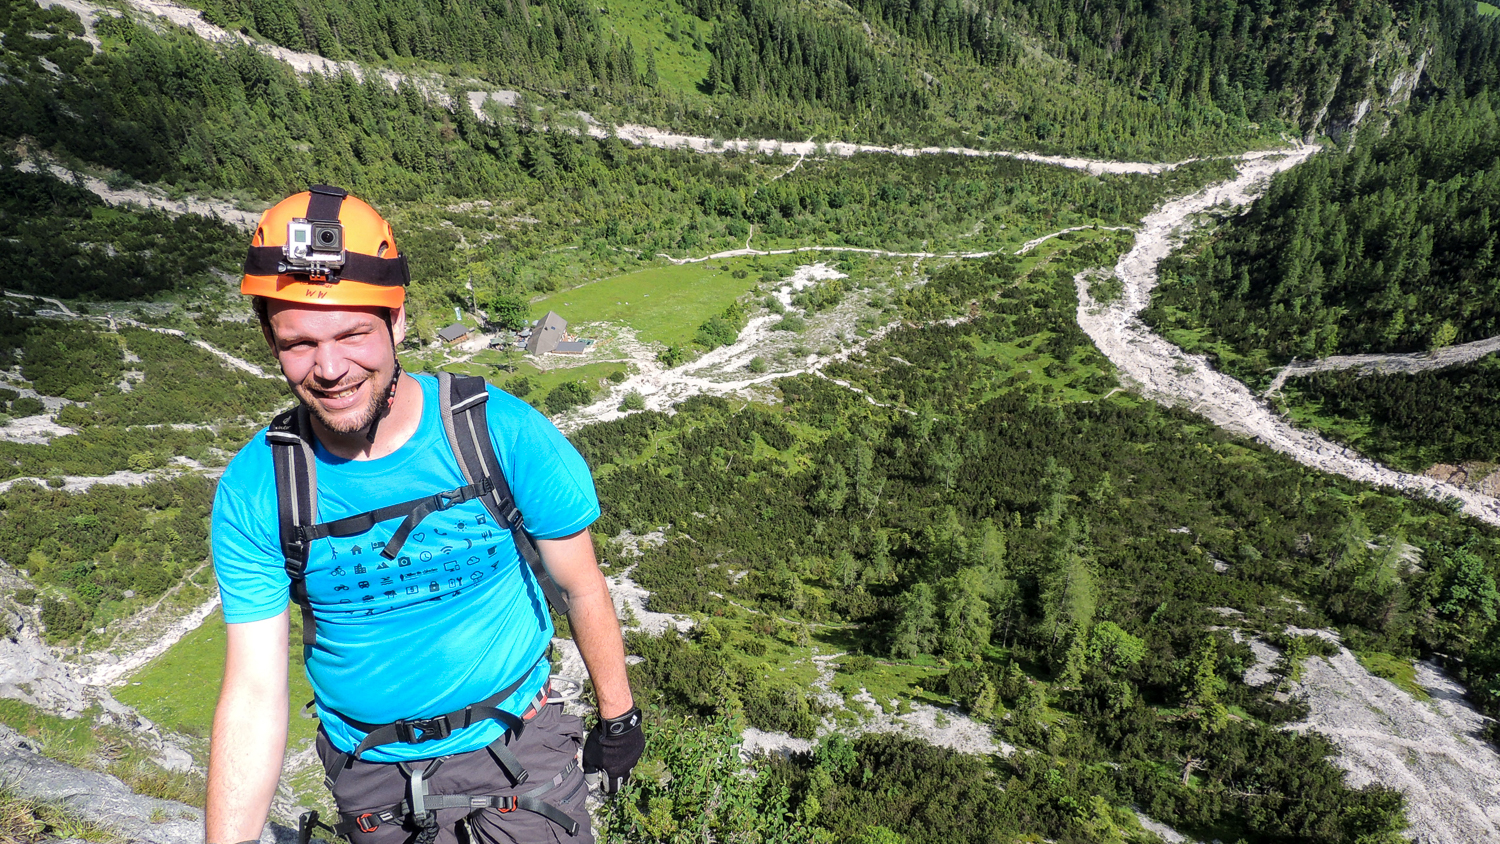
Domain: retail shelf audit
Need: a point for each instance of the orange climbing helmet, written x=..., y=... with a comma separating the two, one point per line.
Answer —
x=325, y=247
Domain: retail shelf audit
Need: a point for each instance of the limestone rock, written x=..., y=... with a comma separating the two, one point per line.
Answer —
x=103, y=799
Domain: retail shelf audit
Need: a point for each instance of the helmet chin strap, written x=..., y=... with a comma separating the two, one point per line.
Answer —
x=390, y=401
x=390, y=393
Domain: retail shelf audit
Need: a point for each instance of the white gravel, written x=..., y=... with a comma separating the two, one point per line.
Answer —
x=1388, y=364
x=1429, y=751
x=1164, y=372
x=149, y=197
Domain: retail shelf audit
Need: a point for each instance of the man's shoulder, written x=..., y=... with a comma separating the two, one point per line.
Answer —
x=250, y=468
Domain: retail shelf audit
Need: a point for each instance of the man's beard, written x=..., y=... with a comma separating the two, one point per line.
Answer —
x=343, y=423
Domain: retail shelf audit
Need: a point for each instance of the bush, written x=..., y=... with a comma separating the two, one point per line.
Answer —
x=617, y=377
x=857, y=664
x=633, y=401
x=672, y=356
x=791, y=322
x=566, y=397
x=756, y=364
x=62, y=618
x=519, y=387
x=27, y=406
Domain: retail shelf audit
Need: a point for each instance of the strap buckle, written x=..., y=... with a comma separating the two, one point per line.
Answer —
x=504, y=805
x=514, y=518
x=431, y=729
x=367, y=822
x=445, y=500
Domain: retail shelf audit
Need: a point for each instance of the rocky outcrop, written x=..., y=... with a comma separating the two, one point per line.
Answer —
x=31, y=673
x=105, y=800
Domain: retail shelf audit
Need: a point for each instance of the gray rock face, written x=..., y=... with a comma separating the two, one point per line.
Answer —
x=105, y=800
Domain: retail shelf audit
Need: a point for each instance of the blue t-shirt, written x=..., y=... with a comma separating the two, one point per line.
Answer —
x=455, y=618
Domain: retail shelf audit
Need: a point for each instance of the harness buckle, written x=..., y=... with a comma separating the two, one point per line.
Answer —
x=509, y=804
x=431, y=729
x=514, y=518
x=367, y=822
x=444, y=500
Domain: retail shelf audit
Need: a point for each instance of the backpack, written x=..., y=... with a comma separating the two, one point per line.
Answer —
x=461, y=401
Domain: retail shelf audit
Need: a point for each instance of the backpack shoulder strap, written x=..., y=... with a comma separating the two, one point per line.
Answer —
x=462, y=400
x=290, y=438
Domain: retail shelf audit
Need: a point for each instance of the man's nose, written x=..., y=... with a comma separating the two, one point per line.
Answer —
x=328, y=363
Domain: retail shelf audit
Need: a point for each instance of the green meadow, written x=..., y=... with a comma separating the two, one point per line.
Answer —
x=662, y=30
x=180, y=689
x=663, y=304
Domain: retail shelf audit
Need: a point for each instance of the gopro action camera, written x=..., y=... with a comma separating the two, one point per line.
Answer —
x=313, y=247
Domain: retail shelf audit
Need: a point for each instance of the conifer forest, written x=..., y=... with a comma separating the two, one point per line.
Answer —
x=1013, y=420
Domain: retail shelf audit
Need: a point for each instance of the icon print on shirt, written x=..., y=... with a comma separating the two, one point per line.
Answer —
x=453, y=562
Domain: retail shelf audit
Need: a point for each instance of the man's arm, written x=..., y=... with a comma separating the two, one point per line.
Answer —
x=249, y=733
x=596, y=629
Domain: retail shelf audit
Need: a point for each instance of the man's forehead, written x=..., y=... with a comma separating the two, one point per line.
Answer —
x=294, y=319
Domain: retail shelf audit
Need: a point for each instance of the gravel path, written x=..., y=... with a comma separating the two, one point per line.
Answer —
x=109, y=669
x=633, y=133
x=1164, y=372
x=149, y=197
x=1389, y=364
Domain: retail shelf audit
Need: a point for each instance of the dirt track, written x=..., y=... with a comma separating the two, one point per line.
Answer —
x=1389, y=364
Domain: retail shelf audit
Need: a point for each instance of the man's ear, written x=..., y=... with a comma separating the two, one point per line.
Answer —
x=398, y=325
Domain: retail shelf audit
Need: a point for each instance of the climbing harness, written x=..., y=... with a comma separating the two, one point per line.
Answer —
x=421, y=807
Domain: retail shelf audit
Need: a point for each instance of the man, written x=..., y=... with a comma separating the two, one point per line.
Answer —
x=425, y=631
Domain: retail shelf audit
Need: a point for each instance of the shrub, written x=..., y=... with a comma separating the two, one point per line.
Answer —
x=566, y=397
x=62, y=618
x=791, y=322
x=756, y=364
x=633, y=401
x=519, y=387
x=672, y=356
x=27, y=406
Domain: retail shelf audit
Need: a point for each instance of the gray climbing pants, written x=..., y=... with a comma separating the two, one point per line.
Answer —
x=548, y=745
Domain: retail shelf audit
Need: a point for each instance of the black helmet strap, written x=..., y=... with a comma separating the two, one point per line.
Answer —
x=324, y=202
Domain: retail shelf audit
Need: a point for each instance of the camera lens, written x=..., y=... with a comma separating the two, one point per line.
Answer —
x=326, y=237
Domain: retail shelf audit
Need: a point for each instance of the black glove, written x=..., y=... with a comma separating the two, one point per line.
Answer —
x=614, y=746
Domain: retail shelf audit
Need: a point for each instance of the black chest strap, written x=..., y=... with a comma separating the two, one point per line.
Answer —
x=461, y=402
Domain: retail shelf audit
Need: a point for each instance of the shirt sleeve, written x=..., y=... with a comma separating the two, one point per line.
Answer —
x=548, y=477
x=253, y=583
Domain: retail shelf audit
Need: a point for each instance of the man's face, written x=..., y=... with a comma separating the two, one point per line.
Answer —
x=339, y=361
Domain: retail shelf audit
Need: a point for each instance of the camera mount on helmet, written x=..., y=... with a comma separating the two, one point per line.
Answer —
x=314, y=247
x=315, y=243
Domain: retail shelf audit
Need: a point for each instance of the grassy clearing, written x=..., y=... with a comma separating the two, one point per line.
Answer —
x=1486, y=9
x=180, y=688
x=663, y=304
x=661, y=29
x=1398, y=670
x=1308, y=413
